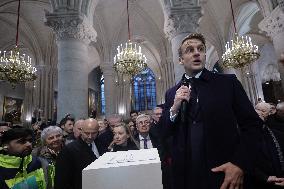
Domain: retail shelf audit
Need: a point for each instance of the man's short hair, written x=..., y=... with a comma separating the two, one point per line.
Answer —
x=160, y=106
x=133, y=111
x=143, y=115
x=198, y=36
x=64, y=121
x=16, y=133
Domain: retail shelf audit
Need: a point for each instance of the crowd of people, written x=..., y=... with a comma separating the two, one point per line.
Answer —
x=53, y=156
x=204, y=142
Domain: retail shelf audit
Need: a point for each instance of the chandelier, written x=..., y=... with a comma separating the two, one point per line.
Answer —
x=14, y=66
x=240, y=51
x=129, y=59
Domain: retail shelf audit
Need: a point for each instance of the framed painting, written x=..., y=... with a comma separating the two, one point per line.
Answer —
x=93, y=103
x=54, y=108
x=12, y=109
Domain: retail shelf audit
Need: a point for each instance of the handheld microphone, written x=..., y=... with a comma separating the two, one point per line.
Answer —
x=184, y=103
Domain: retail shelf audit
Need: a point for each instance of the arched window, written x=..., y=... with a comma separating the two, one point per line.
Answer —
x=103, y=102
x=144, y=91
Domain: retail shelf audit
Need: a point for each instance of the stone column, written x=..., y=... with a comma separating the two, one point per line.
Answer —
x=273, y=25
x=170, y=72
x=73, y=35
x=249, y=82
x=182, y=19
x=28, y=103
x=109, y=89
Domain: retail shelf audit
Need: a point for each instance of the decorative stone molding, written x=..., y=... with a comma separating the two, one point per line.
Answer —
x=107, y=68
x=274, y=23
x=281, y=5
x=180, y=3
x=270, y=73
x=71, y=26
x=183, y=20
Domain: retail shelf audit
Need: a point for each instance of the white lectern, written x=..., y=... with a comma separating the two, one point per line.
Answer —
x=139, y=169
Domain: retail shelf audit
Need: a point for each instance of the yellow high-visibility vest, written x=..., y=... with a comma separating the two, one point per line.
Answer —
x=34, y=179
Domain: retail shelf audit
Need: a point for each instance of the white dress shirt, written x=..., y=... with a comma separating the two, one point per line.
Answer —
x=95, y=150
x=173, y=116
x=149, y=143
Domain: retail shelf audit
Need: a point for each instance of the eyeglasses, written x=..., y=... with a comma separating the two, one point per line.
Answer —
x=143, y=123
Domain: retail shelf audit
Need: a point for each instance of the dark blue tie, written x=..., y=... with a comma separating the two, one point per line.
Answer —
x=145, y=143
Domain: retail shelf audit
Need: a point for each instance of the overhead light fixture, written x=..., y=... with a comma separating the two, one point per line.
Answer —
x=129, y=59
x=239, y=51
x=14, y=66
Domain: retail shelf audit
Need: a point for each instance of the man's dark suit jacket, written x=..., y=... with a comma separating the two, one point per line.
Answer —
x=154, y=140
x=71, y=161
x=231, y=126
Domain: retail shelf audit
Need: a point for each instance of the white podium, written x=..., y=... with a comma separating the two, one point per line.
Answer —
x=139, y=169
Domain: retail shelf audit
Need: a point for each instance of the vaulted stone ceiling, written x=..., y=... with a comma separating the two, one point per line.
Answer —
x=110, y=22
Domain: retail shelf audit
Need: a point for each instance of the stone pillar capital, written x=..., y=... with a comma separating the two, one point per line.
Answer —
x=107, y=68
x=71, y=26
x=281, y=5
x=273, y=24
x=181, y=20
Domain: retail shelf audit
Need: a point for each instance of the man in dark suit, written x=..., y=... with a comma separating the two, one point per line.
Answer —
x=216, y=130
x=144, y=138
x=155, y=126
x=76, y=156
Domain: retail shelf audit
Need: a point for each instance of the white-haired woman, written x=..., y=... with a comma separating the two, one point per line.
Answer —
x=52, y=140
x=52, y=143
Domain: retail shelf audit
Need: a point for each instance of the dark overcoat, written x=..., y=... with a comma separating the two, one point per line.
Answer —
x=231, y=128
x=70, y=162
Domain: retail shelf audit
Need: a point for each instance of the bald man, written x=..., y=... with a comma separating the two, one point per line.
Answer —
x=263, y=110
x=280, y=110
x=76, y=156
x=76, y=131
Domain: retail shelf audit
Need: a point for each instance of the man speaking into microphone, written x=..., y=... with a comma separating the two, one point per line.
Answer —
x=214, y=126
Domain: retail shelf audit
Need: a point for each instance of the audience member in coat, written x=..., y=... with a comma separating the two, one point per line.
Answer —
x=77, y=155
